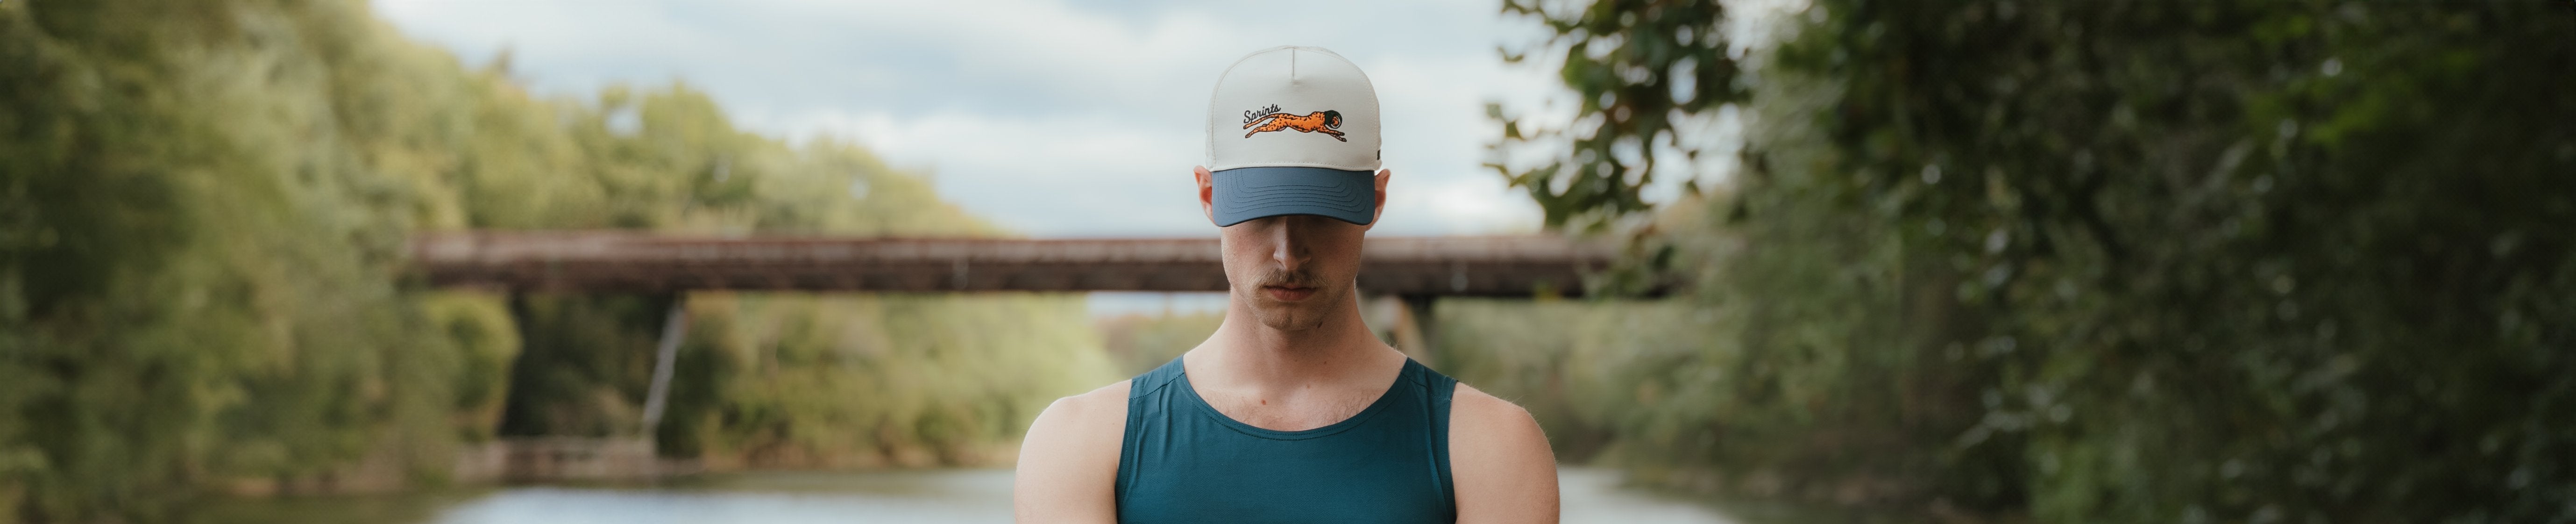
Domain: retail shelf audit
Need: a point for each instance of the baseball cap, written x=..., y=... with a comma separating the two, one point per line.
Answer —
x=1293, y=130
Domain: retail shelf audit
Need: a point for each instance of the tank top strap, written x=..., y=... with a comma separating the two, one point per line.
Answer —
x=1152, y=381
x=1437, y=390
x=1145, y=401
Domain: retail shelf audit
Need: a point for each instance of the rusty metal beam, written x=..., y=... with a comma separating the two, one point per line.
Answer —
x=627, y=262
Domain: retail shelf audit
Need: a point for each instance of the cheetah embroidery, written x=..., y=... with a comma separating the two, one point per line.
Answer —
x=1326, y=122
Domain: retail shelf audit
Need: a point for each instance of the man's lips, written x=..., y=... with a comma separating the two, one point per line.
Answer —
x=1288, y=294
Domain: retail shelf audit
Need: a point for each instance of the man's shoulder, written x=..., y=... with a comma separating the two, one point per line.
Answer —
x=1108, y=402
x=1493, y=435
x=1069, y=461
x=1500, y=458
x=1082, y=432
x=1480, y=413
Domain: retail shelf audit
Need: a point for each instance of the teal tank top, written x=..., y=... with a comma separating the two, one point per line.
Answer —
x=1183, y=462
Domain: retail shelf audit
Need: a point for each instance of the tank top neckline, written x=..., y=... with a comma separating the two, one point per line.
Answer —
x=1384, y=399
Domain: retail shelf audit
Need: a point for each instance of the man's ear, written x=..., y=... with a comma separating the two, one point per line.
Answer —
x=1383, y=175
x=1207, y=192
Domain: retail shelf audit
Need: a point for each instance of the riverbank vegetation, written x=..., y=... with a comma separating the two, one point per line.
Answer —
x=203, y=211
x=2108, y=261
x=2112, y=261
x=1139, y=342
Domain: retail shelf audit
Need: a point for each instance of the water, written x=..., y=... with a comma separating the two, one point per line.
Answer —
x=942, y=496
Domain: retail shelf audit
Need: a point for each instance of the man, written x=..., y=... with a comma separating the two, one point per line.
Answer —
x=1292, y=411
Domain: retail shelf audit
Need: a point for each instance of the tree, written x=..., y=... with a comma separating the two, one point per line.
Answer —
x=2281, y=261
x=1637, y=67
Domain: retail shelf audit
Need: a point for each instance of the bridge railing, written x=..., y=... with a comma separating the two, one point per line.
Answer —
x=616, y=261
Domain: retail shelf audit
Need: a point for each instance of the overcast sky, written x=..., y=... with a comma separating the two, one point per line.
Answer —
x=1056, y=118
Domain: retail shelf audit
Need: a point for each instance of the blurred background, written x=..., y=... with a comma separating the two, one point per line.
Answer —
x=2292, y=261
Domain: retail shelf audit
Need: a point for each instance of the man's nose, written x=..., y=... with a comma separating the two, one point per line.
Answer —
x=1287, y=244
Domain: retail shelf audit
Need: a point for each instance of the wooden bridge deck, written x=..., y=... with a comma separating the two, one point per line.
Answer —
x=610, y=261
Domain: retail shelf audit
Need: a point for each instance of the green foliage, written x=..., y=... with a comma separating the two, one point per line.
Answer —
x=1139, y=343
x=2146, y=261
x=1573, y=364
x=1640, y=69
x=909, y=380
x=203, y=208
x=198, y=254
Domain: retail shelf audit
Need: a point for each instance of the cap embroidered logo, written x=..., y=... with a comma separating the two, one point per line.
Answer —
x=1327, y=122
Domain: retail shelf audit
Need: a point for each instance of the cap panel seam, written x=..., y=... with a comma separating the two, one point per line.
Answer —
x=1220, y=87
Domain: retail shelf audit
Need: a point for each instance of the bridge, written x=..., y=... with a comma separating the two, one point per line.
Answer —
x=1403, y=275
x=624, y=262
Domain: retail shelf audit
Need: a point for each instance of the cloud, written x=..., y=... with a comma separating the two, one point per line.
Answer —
x=1053, y=118
x=1052, y=176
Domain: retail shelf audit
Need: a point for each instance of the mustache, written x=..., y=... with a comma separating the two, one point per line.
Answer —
x=1280, y=278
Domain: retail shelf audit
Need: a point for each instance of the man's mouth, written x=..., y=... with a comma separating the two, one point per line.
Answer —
x=1288, y=293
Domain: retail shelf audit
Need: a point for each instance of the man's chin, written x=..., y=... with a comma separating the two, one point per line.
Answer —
x=1289, y=317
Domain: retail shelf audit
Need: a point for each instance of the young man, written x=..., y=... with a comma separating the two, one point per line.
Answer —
x=1293, y=411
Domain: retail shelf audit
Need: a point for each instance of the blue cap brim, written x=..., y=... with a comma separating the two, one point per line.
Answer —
x=1258, y=192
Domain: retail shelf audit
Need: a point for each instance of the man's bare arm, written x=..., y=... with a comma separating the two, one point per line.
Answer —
x=1499, y=461
x=1069, y=461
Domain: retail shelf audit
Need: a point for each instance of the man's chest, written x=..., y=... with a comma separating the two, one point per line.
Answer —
x=1291, y=411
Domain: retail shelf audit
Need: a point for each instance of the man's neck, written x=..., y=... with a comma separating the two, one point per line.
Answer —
x=1250, y=353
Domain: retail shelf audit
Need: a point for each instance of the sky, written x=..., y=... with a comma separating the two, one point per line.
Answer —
x=1053, y=118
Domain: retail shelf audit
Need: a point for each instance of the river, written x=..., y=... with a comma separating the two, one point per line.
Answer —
x=941, y=496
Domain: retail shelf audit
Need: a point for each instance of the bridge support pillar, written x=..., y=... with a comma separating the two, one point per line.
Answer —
x=675, y=325
x=1412, y=328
